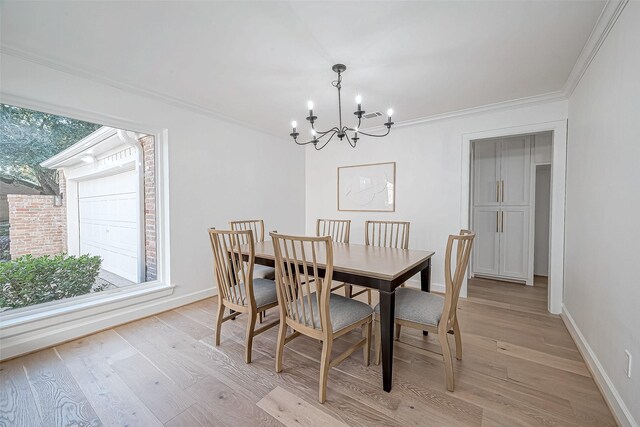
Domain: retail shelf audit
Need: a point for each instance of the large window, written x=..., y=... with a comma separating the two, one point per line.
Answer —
x=78, y=208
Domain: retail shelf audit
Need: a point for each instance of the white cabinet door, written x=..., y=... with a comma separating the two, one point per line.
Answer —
x=486, y=255
x=515, y=169
x=514, y=242
x=486, y=172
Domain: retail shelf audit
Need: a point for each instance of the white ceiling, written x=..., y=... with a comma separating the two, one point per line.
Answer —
x=260, y=62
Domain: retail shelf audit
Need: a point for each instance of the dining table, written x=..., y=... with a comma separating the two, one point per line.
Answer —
x=374, y=267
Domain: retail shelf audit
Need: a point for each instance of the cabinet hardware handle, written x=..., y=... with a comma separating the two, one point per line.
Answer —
x=502, y=222
x=502, y=198
x=497, y=191
x=497, y=222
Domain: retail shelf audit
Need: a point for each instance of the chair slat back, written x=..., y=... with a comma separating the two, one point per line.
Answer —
x=338, y=229
x=454, y=271
x=390, y=234
x=255, y=225
x=298, y=272
x=233, y=275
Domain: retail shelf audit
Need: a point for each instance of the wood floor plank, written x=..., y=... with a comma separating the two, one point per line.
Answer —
x=227, y=406
x=17, y=403
x=292, y=411
x=543, y=358
x=59, y=398
x=114, y=402
x=181, y=370
x=182, y=323
x=163, y=397
x=189, y=418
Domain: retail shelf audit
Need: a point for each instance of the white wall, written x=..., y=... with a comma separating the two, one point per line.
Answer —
x=602, y=289
x=217, y=172
x=429, y=174
x=541, y=227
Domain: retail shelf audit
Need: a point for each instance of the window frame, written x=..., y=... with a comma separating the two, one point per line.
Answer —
x=71, y=313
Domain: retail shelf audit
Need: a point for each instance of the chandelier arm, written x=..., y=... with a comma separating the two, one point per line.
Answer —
x=325, y=144
x=302, y=143
x=376, y=136
x=333, y=129
x=353, y=145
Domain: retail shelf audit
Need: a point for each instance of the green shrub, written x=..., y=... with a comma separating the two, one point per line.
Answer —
x=30, y=280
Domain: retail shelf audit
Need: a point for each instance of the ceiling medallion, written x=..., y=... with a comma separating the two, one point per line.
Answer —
x=320, y=139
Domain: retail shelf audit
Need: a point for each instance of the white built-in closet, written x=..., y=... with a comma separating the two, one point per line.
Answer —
x=503, y=203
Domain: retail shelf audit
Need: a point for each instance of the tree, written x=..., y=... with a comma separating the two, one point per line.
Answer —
x=29, y=137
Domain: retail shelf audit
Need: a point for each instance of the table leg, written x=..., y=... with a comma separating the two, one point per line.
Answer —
x=387, y=315
x=348, y=291
x=425, y=283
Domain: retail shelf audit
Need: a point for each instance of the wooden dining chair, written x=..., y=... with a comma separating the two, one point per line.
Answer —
x=304, y=267
x=257, y=226
x=339, y=231
x=238, y=290
x=388, y=234
x=434, y=313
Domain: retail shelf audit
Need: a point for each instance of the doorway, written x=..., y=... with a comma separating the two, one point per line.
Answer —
x=510, y=198
x=558, y=132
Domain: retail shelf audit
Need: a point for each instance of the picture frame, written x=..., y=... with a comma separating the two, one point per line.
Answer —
x=367, y=188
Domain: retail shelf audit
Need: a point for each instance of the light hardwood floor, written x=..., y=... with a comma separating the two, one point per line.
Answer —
x=520, y=367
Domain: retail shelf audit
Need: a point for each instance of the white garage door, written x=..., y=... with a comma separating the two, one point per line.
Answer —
x=108, y=222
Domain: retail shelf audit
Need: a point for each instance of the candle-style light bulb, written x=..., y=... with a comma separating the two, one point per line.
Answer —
x=358, y=99
x=313, y=132
x=390, y=112
x=355, y=129
x=310, y=105
x=294, y=125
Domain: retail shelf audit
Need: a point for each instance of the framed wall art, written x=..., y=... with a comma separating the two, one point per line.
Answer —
x=367, y=188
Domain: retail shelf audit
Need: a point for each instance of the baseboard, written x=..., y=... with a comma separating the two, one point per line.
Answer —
x=30, y=342
x=617, y=406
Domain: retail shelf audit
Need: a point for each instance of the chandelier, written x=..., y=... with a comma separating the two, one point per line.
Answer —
x=320, y=139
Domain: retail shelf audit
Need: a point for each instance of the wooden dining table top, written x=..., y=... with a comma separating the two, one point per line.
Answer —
x=364, y=260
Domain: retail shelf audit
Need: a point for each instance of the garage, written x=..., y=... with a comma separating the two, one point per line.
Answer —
x=108, y=218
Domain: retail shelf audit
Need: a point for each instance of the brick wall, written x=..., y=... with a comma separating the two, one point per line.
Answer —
x=36, y=226
x=150, y=250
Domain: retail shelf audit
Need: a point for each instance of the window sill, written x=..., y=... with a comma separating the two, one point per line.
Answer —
x=25, y=319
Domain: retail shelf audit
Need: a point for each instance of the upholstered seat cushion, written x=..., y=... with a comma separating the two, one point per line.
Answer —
x=264, y=272
x=417, y=306
x=343, y=311
x=264, y=292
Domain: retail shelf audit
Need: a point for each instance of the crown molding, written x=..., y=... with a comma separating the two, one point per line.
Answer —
x=96, y=77
x=488, y=108
x=607, y=19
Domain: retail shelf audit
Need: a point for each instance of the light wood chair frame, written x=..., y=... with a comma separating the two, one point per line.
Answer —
x=339, y=230
x=297, y=267
x=389, y=234
x=231, y=272
x=255, y=225
x=449, y=321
